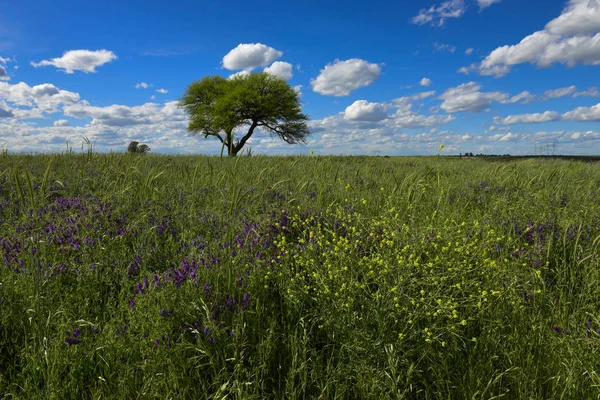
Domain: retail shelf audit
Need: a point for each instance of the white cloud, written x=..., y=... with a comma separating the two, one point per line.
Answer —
x=3, y=75
x=572, y=38
x=467, y=97
x=590, y=92
x=580, y=17
x=250, y=56
x=422, y=95
x=417, y=121
x=142, y=85
x=4, y=60
x=79, y=60
x=425, y=82
x=121, y=116
x=362, y=110
x=298, y=89
x=444, y=47
x=580, y=114
x=163, y=91
x=241, y=73
x=469, y=51
x=583, y=114
x=528, y=118
x=61, y=122
x=342, y=77
x=46, y=97
x=281, y=69
x=509, y=137
x=436, y=15
x=524, y=98
x=556, y=93
x=486, y=3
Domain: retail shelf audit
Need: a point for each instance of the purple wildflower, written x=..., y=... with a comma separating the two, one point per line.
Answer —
x=558, y=329
x=77, y=332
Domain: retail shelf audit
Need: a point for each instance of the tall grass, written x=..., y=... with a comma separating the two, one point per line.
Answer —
x=128, y=276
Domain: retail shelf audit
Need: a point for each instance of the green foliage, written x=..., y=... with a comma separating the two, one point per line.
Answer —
x=218, y=106
x=299, y=277
x=133, y=147
x=137, y=148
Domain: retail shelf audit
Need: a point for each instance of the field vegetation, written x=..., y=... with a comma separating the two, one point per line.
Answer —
x=175, y=277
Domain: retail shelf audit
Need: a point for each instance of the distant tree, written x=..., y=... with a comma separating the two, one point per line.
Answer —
x=218, y=106
x=137, y=148
x=133, y=147
x=143, y=149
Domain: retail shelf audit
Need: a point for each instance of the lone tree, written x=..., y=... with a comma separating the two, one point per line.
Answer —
x=218, y=106
x=137, y=148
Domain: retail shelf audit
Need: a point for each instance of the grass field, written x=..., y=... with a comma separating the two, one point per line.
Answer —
x=174, y=277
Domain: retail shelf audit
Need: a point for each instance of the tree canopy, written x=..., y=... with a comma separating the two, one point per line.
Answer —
x=218, y=106
x=137, y=148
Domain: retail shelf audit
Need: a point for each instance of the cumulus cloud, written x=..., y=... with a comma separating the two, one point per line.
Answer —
x=241, y=73
x=281, y=69
x=580, y=17
x=142, y=85
x=340, y=78
x=572, y=38
x=590, y=92
x=79, y=60
x=528, y=118
x=486, y=3
x=121, y=116
x=436, y=15
x=362, y=110
x=61, y=122
x=524, y=98
x=417, y=121
x=580, y=114
x=467, y=97
x=469, y=51
x=425, y=82
x=3, y=75
x=556, y=93
x=250, y=56
x=4, y=60
x=583, y=114
x=163, y=91
x=46, y=97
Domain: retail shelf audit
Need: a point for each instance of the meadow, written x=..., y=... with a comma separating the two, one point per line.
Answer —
x=188, y=277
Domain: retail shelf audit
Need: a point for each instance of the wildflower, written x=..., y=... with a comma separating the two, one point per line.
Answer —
x=70, y=341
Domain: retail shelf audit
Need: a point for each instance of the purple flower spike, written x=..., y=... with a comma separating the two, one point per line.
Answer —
x=558, y=329
x=211, y=340
x=70, y=341
x=76, y=332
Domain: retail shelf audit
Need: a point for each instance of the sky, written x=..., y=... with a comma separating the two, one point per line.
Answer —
x=375, y=78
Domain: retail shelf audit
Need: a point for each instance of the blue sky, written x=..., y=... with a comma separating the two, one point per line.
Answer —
x=378, y=77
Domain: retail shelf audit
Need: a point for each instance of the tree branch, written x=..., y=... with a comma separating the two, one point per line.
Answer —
x=244, y=139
